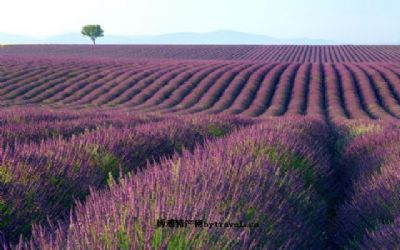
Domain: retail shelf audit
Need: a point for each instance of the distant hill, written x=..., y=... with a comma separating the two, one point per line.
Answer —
x=216, y=37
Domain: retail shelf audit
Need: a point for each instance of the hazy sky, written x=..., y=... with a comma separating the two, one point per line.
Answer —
x=353, y=21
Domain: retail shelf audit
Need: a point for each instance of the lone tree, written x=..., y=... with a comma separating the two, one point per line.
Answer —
x=93, y=31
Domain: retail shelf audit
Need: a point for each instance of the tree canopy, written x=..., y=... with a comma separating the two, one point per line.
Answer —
x=93, y=31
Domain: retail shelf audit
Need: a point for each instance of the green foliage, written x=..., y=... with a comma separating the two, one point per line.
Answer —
x=5, y=175
x=179, y=241
x=287, y=160
x=157, y=238
x=123, y=239
x=93, y=31
x=249, y=213
x=63, y=195
x=110, y=180
x=139, y=234
x=4, y=214
x=364, y=129
x=215, y=131
x=106, y=162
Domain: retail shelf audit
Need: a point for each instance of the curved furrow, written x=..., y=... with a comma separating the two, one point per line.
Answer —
x=320, y=55
x=352, y=94
x=185, y=89
x=337, y=53
x=105, y=76
x=139, y=84
x=372, y=56
x=48, y=91
x=348, y=51
x=214, y=92
x=383, y=91
x=299, y=98
x=165, y=91
x=353, y=100
x=391, y=78
x=280, y=100
x=290, y=51
x=332, y=54
x=260, y=53
x=84, y=94
x=379, y=57
x=345, y=53
x=105, y=89
x=278, y=54
x=313, y=54
x=251, y=54
x=393, y=68
x=30, y=81
x=75, y=87
x=363, y=57
x=36, y=84
x=393, y=53
x=284, y=54
x=18, y=78
x=100, y=88
x=264, y=95
x=307, y=54
x=327, y=55
x=324, y=96
x=282, y=50
x=233, y=90
x=291, y=54
x=125, y=85
x=20, y=71
x=116, y=87
x=8, y=71
x=378, y=52
x=371, y=100
x=302, y=54
x=150, y=89
x=249, y=91
x=396, y=68
x=335, y=100
x=263, y=53
x=316, y=100
x=299, y=55
x=354, y=54
x=108, y=85
x=273, y=53
x=194, y=96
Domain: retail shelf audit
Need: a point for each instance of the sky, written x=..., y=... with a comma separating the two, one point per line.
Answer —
x=347, y=21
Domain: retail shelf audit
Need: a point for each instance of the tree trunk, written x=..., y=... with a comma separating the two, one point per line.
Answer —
x=94, y=40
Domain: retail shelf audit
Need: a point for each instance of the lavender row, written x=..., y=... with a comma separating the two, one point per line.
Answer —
x=256, y=175
x=42, y=180
x=269, y=53
x=370, y=185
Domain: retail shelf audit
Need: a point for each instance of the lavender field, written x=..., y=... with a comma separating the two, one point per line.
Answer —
x=199, y=147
